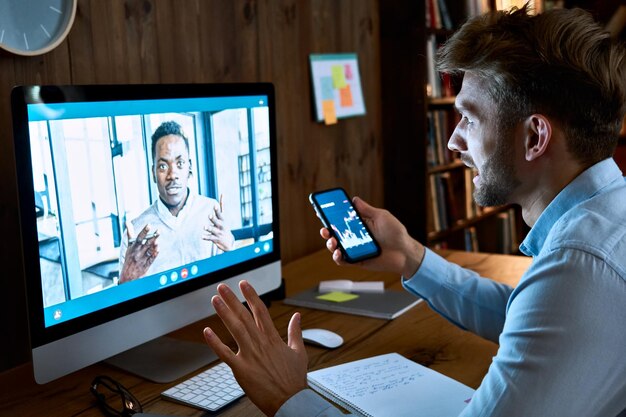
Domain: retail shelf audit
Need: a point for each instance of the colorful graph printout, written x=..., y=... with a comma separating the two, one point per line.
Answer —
x=336, y=86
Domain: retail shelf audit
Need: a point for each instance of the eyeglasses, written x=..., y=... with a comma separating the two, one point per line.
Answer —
x=109, y=392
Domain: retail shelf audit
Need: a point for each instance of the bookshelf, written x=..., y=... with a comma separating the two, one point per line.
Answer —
x=426, y=186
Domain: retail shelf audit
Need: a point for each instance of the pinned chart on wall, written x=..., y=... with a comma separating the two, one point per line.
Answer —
x=336, y=86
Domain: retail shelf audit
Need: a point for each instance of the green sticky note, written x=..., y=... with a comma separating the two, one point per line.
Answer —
x=339, y=77
x=337, y=296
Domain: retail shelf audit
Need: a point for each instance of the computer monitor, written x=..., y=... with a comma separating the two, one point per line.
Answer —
x=87, y=169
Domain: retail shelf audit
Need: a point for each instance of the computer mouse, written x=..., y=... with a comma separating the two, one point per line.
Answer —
x=322, y=337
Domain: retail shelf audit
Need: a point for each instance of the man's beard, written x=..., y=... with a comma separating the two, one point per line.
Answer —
x=498, y=178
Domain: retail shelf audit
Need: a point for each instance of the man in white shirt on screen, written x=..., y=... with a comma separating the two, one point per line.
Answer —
x=542, y=101
x=180, y=227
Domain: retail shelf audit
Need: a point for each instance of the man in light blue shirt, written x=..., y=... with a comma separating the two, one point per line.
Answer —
x=542, y=101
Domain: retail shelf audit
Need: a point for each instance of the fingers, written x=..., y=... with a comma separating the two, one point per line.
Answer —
x=151, y=253
x=237, y=319
x=215, y=221
x=220, y=349
x=145, y=249
x=294, y=334
x=130, y=230
x=338, y=257
x=260, y=313
x=218, y=212
x=325, y=233
x=362, y=207
x=142, y=235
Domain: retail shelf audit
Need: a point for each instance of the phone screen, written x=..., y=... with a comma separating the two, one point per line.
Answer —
x=337, y=213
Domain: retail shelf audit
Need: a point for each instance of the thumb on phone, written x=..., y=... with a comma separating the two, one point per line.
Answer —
x=363, y=208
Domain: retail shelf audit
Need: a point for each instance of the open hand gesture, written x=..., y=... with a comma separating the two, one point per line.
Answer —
x=216, y=231
x=140, y=253
x=269, y=370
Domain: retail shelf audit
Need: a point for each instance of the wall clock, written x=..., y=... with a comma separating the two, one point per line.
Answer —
x=34, y=27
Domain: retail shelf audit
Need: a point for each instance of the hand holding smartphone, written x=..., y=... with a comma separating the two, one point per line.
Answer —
x=339, y=216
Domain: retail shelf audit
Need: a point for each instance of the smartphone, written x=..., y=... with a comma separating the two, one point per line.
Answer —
x=338, y=215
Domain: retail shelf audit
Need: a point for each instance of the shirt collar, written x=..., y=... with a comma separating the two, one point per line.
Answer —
x=586, y=185
x=167, y=217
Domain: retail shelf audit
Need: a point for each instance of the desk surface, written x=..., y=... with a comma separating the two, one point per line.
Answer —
x=431, y=341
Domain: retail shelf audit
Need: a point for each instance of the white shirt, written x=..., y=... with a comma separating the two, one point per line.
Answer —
x=180, y=237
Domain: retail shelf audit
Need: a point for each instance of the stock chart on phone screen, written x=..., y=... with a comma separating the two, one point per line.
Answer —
x=347, y=226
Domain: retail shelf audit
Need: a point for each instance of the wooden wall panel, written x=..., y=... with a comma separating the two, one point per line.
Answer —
x=203, y=41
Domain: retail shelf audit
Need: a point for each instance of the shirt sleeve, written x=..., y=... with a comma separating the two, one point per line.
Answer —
x=461, y=296
x=307, y=403
x=562, y=347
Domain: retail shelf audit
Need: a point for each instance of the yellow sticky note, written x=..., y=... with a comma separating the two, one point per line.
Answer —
x=337, y=296
x=346, y=96
x=339, y=77
x=328, y=109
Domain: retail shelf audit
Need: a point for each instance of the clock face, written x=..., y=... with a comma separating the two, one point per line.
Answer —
x=32, y=27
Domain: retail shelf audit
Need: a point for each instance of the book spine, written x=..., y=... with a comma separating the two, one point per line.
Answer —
x=445, y=16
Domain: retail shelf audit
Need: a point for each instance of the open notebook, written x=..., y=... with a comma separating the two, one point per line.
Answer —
x=391, y=386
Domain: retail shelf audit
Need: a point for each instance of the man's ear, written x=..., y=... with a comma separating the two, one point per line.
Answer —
x=538, y=136
x=152, y=171
x=190, y=170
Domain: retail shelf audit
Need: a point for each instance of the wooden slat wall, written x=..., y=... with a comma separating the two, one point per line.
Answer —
x=198, y=41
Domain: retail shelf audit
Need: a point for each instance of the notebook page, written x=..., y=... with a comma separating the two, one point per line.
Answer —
x=392, y=386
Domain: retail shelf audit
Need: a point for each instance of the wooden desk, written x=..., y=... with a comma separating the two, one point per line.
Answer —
x=420, y=334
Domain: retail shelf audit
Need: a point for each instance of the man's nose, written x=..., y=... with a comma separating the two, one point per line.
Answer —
x=456, y=142
x=172, y=173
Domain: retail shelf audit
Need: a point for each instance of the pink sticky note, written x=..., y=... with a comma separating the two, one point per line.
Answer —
x=348, y=72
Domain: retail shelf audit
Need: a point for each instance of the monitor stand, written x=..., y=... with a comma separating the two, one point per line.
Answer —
x=164, y=359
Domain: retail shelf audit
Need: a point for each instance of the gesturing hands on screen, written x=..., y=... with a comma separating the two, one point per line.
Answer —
x=216, y=231
x=268, y=370
x=140, y=253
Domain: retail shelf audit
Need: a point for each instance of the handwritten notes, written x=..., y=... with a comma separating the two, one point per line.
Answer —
x=391, y=386
x=373, y=377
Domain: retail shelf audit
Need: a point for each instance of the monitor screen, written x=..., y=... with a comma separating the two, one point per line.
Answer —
x=136, y=200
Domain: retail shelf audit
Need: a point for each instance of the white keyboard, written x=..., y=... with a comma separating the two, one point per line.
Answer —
x=209, y=390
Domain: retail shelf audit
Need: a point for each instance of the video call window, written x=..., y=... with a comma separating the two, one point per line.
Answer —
x=91, y=175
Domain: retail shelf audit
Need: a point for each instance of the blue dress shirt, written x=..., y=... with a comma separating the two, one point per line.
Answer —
x=562, y=330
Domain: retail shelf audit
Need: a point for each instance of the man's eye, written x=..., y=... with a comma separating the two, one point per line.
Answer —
x=162, y=167
x=180, y=164
x=467, y=120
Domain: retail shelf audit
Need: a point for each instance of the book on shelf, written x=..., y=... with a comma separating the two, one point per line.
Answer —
x=472, y=209
x=471, y=239
x=433, y=86
x=446, y=200
x=476, y=7
x=437, y=15
x=445, y=19
x=437, y=203
x=390, y=385
x=507, y=232
x=434, y=223
x=440, y=125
